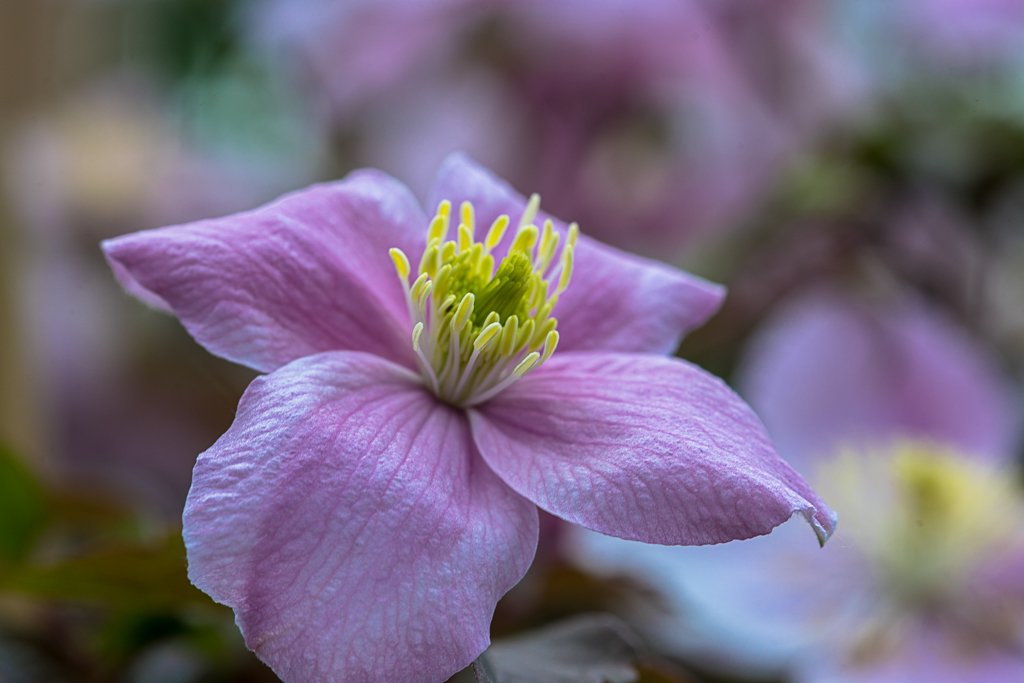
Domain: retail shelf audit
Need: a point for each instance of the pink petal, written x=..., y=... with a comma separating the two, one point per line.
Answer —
x=349, y=522
x=616, y=301
x=644, y=448
x=827, y=372
x=307, y=273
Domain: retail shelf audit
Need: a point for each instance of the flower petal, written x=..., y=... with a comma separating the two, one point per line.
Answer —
x=349, y=522
x=616, y=301
x=644, y=448
x=307, y=273
x=828, y=372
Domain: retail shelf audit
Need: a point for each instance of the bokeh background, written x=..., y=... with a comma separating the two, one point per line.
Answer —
x=868, y=148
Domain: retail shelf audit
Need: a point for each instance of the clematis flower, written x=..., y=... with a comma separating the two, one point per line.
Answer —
x=910, y=432
x=378, y=490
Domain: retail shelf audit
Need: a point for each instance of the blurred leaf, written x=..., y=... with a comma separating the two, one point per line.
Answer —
x=142, y=646
x=22, y=661
x=184, y=37
x=650, y=674
x=131, y=575
x=87, y=515
x=126, y=634
x=588, y=649
x=22, y=508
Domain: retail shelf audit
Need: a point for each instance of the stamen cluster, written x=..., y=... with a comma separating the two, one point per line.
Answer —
x=477, y=330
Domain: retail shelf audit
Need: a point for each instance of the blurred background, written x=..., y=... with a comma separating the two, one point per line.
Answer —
x=853, y=171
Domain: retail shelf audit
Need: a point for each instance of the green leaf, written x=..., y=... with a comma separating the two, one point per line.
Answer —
x=126, y=575
x=22, y=508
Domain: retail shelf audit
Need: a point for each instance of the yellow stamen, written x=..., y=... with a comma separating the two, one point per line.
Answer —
x=477, y=329
x=401, y=263
x=496, y=232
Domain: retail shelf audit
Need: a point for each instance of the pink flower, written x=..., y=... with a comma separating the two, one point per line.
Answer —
x=377, y=492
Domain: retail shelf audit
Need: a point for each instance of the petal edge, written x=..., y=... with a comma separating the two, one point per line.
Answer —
x=643, y=448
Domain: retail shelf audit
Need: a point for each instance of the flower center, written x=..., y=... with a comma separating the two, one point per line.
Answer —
x=477, y=330
x=924, y=517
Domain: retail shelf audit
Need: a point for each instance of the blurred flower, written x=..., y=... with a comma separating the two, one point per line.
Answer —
x=351, y=52
x=123, y=152
x=902, y=45
x=107, y=158
x=832, y=372
x=418, y=126
x=911, y=431
x=787, y=50
x=118, y=154
x=651, y=140
x=653, y=122
x=965, y=31
x=376, y=494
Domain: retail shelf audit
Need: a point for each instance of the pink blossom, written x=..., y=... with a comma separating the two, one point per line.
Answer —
x=377, y=493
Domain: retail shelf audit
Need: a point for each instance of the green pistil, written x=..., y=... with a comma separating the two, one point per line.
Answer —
x=507, y=293
x=466, y=277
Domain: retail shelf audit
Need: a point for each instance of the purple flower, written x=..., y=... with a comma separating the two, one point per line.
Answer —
x=909, y=431
x=376, y=494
